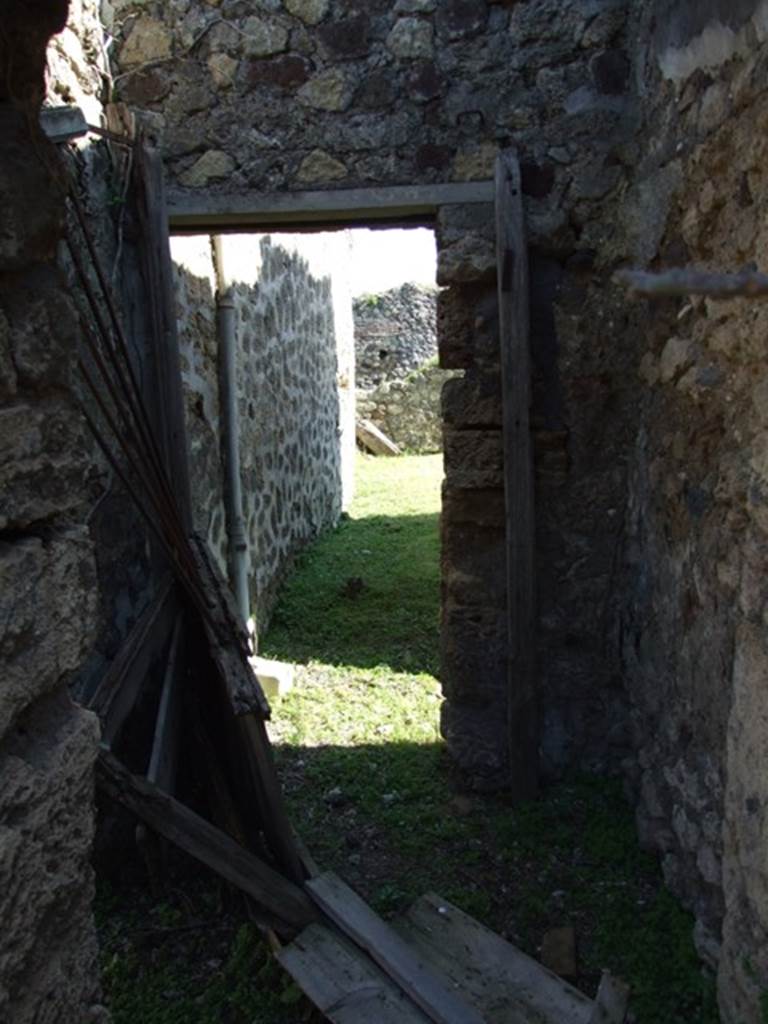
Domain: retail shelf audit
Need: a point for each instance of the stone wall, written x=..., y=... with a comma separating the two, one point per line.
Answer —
x=398, y=381
x=639, y=127
x=408, y=410
x=395, y=333
x=295, y=380
x=329, y=94
x=693, y=630
x=48, y=597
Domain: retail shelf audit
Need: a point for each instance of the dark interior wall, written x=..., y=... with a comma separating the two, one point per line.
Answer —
x=694, y=601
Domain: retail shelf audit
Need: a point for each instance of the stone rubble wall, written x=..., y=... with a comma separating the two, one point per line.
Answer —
x=295, y=381
x=408, y=410
x=395, y=333
x=327, y=94
x=49, y=593
x=398, y=381
x=694, y=623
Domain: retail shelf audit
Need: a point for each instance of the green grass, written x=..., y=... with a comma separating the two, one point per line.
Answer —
x=390, y=543
x=373, y=794
x=368, y=779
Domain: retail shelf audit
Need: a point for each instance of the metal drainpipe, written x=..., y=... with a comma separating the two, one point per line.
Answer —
x=226, y=324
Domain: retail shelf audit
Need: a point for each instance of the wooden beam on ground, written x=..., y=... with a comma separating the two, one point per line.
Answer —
x=344, y=983
x=496, y=977
x=375, y=440
x=434, y=995
x=611, y=1001
x=514, y=330
x=193, y=213
x=123, y=682
x=287, y=909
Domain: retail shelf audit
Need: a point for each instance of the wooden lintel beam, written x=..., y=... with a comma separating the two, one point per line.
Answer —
x=189, y=211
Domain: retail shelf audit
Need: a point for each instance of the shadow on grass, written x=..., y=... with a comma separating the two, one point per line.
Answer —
x=365, y=595
x=387, y=819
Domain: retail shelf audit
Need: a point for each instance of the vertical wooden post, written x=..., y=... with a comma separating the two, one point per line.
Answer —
x=514, y=330
x=157, y=271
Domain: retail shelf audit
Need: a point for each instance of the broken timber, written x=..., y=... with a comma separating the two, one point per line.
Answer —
x=437, y=965
x=512, y=272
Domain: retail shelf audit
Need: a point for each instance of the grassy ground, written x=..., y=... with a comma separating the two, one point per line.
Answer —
x=373, y=794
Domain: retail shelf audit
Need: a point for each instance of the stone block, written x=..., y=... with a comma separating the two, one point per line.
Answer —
x=43, y=462
x=473, y=656
x=477, y=741
x=32, y=211
x=473, y=458
x=424, y=82
x=481, y=507
x=311, y=12
x=211, y=166
x=276, y=677
x=411, y=39
x=48, y=954
x=345, y=39
x=329, y=90
x=263, y=37
x=458, y=19
x=473, y=400
x=48, y=607
x=43, y=332
x=288, y=72
x=455, y=328
x=473, y=563
x=319, y=166
x=148, y=39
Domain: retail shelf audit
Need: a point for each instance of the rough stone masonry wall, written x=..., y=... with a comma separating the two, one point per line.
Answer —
x=398, y=381
x=330, y=93
x=395, y=333
x=694, y=627
x=295, y=382
x=48, y=968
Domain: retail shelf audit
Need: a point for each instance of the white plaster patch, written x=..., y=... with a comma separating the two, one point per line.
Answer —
x=715, y=45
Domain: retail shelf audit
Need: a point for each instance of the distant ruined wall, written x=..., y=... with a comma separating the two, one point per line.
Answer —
x=395, y=333
x=307, y=94
x=693, y=634
x=295, y=380
x=48, y=589
x=398, y=381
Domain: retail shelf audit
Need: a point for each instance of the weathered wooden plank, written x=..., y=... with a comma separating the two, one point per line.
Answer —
x=507, y=986
x=611, y=1001
x=514, y=329
x=375, y=440
x=429, y=991
x=266, y=786
x=157, y=272
x=286, y=907
x=344, y=983
x=123, y=682
x=192, y=212
x=165, y=742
